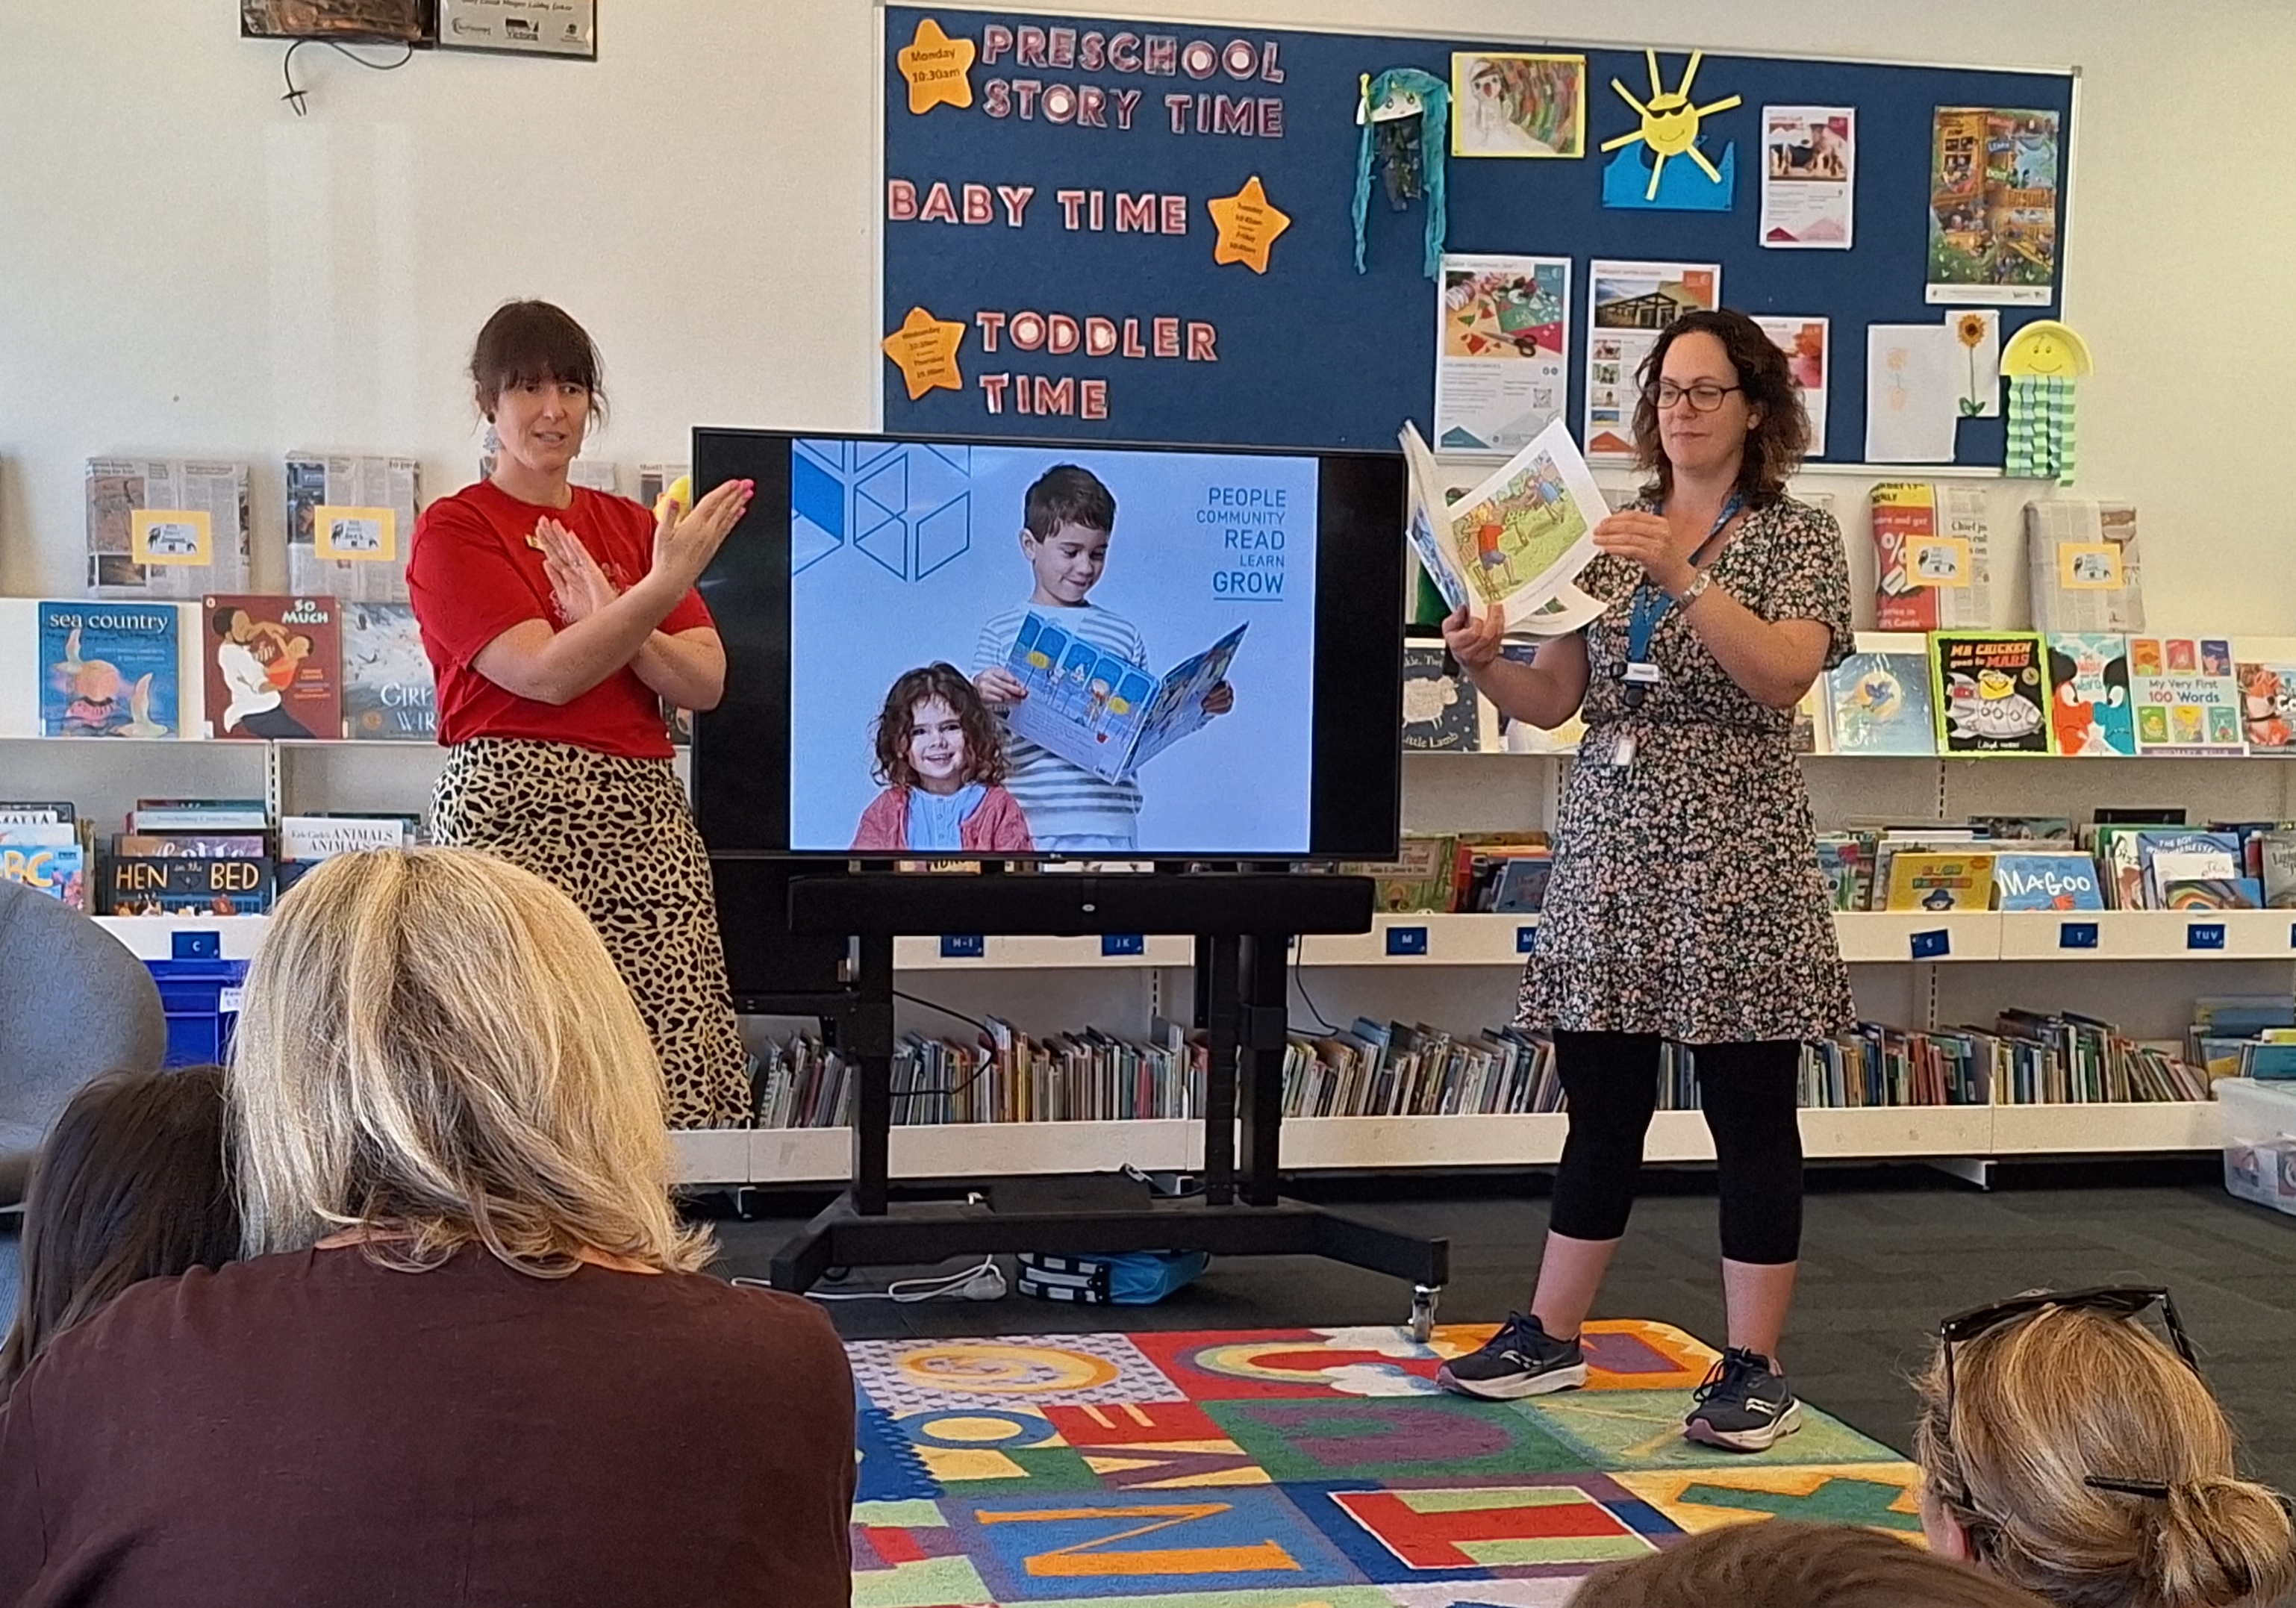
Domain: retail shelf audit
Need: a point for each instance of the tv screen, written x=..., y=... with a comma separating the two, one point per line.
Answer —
x=957, y=648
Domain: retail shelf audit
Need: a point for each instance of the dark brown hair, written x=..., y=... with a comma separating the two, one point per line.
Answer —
x=1783, y=1564
x=131, y=1185
x=529, y=342
x=1067, y=494
x=1774, y=446
x=984, y=743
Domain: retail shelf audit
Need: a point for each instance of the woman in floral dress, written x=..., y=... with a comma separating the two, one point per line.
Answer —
x=1686, y=904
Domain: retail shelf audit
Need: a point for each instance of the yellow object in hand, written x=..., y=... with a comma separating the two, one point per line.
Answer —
x=680, y=493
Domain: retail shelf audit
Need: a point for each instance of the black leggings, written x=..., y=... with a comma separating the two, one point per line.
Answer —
x=1750, y=1094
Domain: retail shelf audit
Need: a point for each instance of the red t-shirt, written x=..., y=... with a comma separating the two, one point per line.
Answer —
x=473, y=574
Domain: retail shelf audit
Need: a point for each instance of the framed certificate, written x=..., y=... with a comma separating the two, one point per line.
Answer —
x=534, y=28
x=346, y=21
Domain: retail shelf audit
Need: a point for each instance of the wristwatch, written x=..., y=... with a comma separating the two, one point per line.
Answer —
x=1692, y=593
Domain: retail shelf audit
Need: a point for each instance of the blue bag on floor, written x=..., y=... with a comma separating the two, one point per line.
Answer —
x=1131, y=1278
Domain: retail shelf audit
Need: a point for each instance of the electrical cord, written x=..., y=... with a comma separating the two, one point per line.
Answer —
x=984, y=1281
x=954, y=1089
x=296, y=97
x=1299, y=982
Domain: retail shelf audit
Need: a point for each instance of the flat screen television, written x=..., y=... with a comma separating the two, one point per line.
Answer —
x=1157, y=653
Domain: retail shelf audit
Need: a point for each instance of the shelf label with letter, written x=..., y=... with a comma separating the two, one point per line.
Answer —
x=2076, y=935
x=1526, y=940
x=963, y=945
x=1932, y=946
x=1113, y=945
x=2204, y=935
x=1407, y=940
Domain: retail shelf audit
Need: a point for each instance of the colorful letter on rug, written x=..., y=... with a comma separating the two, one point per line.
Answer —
x=1301, y=1468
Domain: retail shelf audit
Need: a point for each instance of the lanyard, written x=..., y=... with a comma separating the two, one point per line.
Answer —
x=1650, y=607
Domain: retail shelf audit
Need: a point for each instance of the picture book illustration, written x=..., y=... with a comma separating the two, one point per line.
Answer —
x=108, y=669
x=1878, y=703
x=2047, y=881
x=388, y=695
x=1101, y=713
x=2267, y=708
x=1992, y=693
x=273, y=667
x=1441, y=710
x=1517, y=540
x=2187, y=699
x=2089, y=711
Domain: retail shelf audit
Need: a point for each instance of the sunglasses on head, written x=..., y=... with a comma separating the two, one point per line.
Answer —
x=2123, y=1301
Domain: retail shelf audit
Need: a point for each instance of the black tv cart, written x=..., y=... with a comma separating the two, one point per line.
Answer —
x=1243, y=924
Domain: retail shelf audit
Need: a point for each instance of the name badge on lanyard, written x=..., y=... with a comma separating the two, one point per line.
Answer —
x=1650, y=607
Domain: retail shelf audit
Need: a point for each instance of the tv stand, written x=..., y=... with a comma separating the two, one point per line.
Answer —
x=1243, y=924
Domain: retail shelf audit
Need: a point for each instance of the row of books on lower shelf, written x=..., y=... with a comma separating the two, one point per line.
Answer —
x=2126, y=859
x=181, y=857
x=1372, y=1069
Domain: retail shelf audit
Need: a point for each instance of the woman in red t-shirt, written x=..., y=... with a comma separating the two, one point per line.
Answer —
x=558, y=620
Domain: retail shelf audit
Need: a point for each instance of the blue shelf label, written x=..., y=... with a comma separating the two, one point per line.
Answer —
x=1932, y=946
x=1407, y=940
x=963, y=945
x=1526, y=940
x=2076, y=935
x=2204, y=935
x=1114, y=944
x=197, y=944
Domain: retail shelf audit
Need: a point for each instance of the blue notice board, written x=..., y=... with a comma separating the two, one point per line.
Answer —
x=1054, y=201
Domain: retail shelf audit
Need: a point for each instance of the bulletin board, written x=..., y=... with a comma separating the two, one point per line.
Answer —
x=1112, y=187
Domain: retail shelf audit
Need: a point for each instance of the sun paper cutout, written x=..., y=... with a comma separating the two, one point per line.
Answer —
x=1670, y=121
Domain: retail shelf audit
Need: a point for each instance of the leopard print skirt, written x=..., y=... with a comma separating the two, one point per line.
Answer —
x=616, y=835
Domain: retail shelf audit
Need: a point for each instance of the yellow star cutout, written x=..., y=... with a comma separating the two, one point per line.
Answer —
x=924, y=349
x=1249, y=224
x=937, y=68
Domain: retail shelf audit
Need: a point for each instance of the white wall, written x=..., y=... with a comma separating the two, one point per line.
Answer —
x=185, y=267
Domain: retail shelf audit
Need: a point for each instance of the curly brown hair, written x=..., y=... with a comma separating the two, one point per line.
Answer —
x=984, y=739
x=1773, y=446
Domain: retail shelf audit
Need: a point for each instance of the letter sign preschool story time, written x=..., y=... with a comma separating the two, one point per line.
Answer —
x=1097, y=228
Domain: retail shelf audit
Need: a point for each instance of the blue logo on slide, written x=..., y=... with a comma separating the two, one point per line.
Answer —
x=908, y=508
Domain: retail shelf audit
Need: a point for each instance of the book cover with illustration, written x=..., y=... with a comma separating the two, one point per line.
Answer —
x=1442, y=712
x=1418, y=880
x=2046, y=882
x=388, y=693
x=1878, y=699
x=273, y=666
x=108, y=669
x=1924, y=880
x=49, y=857
x=2191, y=867
x=1991, y=690
x=2090, y=713
x=1101, y=713
x=1514, y=541
x=2187, y=699
x=2276, y=868
x=2267, y=706
x=186, y=887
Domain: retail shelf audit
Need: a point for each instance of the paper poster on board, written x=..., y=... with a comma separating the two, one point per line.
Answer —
x=1503, y=350
x=1807, y=343
x=1993, y=206
x=1628, y=304
x=1810, y=177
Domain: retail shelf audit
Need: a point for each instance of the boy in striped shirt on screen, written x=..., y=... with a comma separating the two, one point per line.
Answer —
x=1067, y=520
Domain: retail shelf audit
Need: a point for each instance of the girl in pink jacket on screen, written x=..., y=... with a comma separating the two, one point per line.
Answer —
x=941, y=758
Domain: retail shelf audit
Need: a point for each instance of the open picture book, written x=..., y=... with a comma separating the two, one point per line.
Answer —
x=1100, y=712
x=1515, y=540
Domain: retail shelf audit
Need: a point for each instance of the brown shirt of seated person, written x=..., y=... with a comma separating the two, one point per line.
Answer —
x=468, y=1358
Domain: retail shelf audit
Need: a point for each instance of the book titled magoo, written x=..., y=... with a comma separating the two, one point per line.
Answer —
x=108, y=669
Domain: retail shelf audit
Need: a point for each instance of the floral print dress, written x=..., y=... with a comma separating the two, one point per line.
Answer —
x=1687, y=899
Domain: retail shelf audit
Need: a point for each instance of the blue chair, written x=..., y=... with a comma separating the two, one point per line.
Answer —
x=74, y=1004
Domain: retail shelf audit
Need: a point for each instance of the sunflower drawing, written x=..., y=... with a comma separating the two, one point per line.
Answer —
x=1971, y=330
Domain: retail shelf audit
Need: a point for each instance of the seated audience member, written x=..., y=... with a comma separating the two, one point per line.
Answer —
x=2069, y=1450
x=131, y=1185
x=1780, y=1563
x=470, y=1358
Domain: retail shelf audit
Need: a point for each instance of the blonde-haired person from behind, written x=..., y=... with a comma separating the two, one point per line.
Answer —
x=470, y=1358
x=2068, y=1450
x=1782, y=1564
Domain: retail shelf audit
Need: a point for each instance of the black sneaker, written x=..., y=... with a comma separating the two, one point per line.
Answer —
x=1520, y=1361
x=1742, y=1406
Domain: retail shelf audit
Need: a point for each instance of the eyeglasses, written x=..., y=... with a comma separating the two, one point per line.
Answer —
x=2123, y=1301
x=1704, y=397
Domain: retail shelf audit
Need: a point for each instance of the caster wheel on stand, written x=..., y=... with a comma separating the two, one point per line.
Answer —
x=1422, y=1312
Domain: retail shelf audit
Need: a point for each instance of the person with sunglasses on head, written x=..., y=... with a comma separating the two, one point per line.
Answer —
x=2068, y=1450
x=1686, y=904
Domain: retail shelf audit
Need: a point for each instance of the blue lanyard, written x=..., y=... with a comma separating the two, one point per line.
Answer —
x=1651, y=604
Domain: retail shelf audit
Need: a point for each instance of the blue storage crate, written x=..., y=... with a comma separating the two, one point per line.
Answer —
x=199, y=989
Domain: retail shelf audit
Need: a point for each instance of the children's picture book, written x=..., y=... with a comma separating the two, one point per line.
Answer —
x=1515, y=540
x=1991, y=690
x=2267, y=706
x=1442, y=712
x=2276, y=868
x=191, y=845
x=1927, y=880
x=1878, y=698
x=1932, y=557
x=1097, y=711
x=2186, y=700
x=108, y=669
x=2046, y=882
x=2211, y=893
x=2090, y=716
x=1846, y=860
x=2083, y=559
x=186, y=887
x=2191, y=865
x=48, y=858
x=388, y=693
x=1520, y=888
x=324, y=837
x=273, y=666
x=1419, y=879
